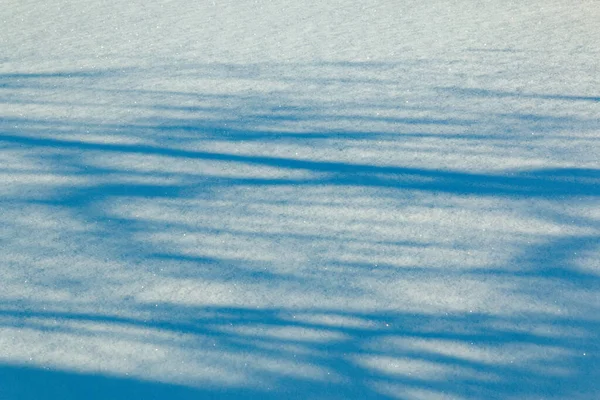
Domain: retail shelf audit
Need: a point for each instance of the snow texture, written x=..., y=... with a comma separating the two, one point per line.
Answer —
x=304, y=200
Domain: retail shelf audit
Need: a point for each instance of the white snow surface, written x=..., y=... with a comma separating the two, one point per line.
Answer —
x=317, y=199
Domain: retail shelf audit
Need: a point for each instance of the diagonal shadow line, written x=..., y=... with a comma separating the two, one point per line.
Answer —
x=483, y=329
x=206, y=318
x=543, y=183
x=500, y=93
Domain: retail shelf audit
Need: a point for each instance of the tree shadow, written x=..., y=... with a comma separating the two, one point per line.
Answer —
x=473, y=92
x=326, y=353
x=28, y=383
x=164, y=195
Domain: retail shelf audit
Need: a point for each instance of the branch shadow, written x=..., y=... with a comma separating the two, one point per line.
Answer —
x=298, y=352
x=325, y=353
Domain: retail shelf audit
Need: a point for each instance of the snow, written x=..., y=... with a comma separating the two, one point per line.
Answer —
x=267, y=199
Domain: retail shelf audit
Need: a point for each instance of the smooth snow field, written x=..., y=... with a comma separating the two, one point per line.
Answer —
x=299, y=199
